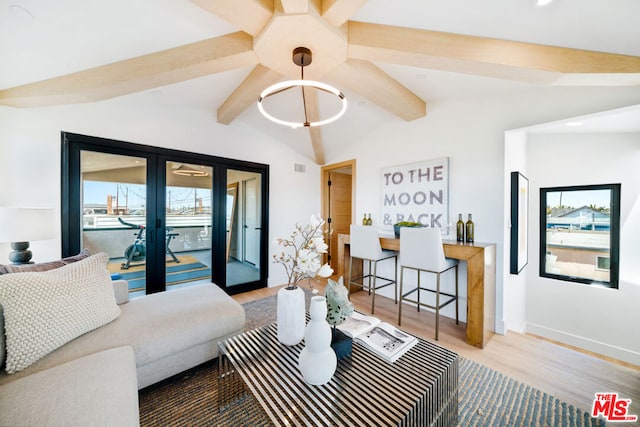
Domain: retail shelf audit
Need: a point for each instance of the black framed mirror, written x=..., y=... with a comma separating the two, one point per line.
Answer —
x=580, y=233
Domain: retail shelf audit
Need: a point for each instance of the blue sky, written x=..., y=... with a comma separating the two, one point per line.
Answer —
x=578, y=199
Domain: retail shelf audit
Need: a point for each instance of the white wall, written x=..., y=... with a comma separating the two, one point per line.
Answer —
x=30, y=147
x=598, y=319
x=514, y=286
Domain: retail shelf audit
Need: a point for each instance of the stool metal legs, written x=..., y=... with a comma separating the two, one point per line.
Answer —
x=372, y=277
x=419, y=288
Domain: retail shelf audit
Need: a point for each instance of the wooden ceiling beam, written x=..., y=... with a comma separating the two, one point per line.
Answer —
x=250, y=16
x=247, y=93
x=528, y=62
x=337, y=12
x=371, y=82
x=315, y=132
x=290, y=7
x=137, y=74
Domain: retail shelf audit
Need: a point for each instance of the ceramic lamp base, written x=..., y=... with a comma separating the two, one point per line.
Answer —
x=20, y=253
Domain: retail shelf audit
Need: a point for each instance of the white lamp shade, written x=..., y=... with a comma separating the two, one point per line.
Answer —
x=27, y=224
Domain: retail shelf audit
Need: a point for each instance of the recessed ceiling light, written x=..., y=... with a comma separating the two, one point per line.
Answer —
x=20, y=12
x=574, y=124
x=543, y=2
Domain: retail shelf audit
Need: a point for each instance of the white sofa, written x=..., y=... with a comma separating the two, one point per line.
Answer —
x=94, y=379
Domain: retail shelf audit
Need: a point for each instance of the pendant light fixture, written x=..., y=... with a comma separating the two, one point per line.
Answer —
x=302, y=58
x=185, y=170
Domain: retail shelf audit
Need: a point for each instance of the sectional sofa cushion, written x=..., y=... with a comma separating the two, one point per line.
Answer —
x=45, y=310
x=96, y=390
x=44, y=266
x=169, y=331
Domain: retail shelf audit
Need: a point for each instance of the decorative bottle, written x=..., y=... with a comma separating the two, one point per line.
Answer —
x=369, y=220
x=469, y=230
x=460, y=229
x=317, y=360
x=364, y=219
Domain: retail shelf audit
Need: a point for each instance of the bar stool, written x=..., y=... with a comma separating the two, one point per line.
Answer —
x=365, y=245
x=421, y=249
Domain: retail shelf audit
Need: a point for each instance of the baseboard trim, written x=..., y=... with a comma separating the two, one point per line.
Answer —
x=599, y=349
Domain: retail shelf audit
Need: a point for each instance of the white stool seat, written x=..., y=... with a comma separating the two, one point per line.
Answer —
x=421, y=249
x=365, y=245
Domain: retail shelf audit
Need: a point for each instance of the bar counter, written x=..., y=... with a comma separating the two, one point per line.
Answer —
x=481, y=281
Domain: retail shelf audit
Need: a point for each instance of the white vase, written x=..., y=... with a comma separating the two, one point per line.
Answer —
x=317, y=361
x=290, y=315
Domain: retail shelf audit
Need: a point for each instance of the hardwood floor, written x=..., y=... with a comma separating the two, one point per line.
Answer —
x=565, y=373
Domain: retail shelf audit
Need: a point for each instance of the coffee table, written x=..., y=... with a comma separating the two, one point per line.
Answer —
x=419, y=389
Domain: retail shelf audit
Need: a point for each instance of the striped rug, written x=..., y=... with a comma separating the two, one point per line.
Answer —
x=486, y=397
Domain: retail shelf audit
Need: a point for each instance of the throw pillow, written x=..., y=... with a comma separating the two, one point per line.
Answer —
x=44, y=266
x=45, y=310
x=21, y=268
x=3, y=352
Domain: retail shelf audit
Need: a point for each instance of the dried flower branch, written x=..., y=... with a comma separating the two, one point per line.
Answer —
x=302, y=252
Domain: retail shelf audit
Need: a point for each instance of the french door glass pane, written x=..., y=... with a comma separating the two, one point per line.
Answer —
x=244, y=204
x=114, y=194
x=188, y=219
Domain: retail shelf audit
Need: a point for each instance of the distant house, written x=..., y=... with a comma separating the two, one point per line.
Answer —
x=583, y=218
x=578, y=239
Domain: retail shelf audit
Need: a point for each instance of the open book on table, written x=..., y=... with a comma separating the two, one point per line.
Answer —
x=382, y=338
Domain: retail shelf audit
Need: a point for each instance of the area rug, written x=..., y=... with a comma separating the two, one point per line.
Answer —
x=485, y=397
x=187, y=270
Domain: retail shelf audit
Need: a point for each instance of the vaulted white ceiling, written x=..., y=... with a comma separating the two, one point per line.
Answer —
x=42, y=39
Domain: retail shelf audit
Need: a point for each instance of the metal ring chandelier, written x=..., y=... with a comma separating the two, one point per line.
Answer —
x=302, y=58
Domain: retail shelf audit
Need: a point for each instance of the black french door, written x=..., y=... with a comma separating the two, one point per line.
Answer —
x=167, y=218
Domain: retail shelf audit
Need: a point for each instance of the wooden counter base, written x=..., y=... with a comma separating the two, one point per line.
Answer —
x=481, y=281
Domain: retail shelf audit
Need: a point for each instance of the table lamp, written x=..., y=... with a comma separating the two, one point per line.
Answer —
x=19, y=226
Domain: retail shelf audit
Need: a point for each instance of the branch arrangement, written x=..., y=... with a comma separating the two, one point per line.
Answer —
x=302, y=252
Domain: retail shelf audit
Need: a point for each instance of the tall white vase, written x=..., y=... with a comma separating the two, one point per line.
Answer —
x=290, y=315
x=317, y=361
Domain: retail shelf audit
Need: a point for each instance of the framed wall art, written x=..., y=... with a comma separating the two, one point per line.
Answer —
x=519, y=222
x=417, y=192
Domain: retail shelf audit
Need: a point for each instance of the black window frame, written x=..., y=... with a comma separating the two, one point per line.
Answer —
x=614, y=235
